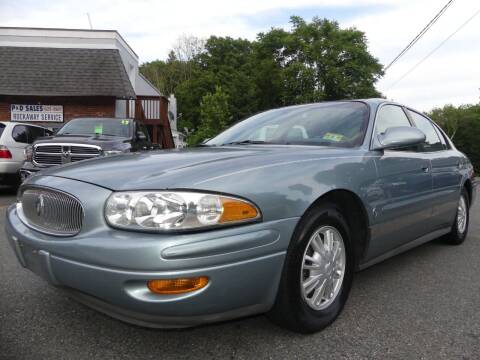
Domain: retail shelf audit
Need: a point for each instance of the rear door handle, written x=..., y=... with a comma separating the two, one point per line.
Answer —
x=426, y=169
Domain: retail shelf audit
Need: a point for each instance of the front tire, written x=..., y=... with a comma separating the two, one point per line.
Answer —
x=318, y=272
x=459, y=230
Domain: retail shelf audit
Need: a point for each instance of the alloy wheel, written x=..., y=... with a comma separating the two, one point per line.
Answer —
x=323, y=268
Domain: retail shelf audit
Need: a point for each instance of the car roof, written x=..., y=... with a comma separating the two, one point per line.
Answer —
x=20, y=123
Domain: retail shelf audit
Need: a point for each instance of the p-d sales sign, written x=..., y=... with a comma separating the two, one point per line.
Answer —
x=45, y=113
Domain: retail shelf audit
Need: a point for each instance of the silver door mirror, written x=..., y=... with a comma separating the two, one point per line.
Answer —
x=399, y=137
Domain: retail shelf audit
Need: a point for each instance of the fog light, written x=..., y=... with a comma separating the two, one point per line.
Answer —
x=177, y=286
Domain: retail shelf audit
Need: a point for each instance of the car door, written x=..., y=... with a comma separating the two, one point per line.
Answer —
x=404, y=206
x=446, y=176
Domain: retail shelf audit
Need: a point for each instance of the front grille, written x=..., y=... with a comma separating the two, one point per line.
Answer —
x=83, y=150
x=56, y=154
x=51, y=211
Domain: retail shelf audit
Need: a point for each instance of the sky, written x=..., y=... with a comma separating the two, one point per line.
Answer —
x=449, y=76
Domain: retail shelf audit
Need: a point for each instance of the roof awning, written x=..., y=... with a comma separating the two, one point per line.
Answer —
x=37, y=71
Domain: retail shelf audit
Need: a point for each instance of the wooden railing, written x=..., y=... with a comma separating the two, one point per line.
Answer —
x=153, y=111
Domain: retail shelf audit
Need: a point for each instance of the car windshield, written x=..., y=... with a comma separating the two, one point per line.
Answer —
x=329, y=124
x=90, y=126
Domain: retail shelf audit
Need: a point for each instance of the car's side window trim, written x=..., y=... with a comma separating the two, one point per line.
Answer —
x=443, y=135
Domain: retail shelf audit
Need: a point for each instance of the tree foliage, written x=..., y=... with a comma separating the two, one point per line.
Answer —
x=314, y=61
x=214, y=115
x=463, y=125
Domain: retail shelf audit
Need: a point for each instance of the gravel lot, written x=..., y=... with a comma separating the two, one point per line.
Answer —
x=421, y=304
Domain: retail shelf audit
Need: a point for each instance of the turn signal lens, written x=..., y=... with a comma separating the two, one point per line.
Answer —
x=234, y=210
x=177, y=286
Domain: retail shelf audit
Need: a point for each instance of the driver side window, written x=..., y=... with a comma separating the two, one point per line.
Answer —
x=391, y=116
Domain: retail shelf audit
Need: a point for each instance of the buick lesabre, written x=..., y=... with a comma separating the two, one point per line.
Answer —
x=274, y=215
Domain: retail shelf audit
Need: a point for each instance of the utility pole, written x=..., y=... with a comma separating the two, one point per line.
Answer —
x=89, y=21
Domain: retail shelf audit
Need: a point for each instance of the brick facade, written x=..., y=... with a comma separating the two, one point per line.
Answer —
x=72, y=106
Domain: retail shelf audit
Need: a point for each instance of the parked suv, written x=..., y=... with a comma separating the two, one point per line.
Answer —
x=14, y=137
x=86, y=138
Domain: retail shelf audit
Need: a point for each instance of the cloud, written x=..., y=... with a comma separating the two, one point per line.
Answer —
x=151, y=27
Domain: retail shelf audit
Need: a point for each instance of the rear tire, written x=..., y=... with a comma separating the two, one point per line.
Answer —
x=318, y=272
x=459, y=230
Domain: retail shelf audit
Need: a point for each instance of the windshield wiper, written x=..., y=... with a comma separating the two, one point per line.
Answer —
x=247, y=142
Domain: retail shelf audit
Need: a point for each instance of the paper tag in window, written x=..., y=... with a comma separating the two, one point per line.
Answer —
x=333, y=137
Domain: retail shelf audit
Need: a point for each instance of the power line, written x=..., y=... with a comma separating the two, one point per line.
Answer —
x=435, y=49
x=420, y=34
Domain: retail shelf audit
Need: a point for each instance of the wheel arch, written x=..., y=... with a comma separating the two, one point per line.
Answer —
x=353, y=209
x=468, y=186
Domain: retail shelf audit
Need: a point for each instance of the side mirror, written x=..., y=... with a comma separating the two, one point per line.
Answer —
x=141, y=136
x=399, y=137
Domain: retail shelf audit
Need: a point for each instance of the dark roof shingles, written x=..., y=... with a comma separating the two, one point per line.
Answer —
x=63, y=72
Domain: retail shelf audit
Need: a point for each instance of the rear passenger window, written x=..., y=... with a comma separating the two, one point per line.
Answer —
x=19, y=134
x=35, y=133
x=2, y=126
x=390, y=116
x=432, y=141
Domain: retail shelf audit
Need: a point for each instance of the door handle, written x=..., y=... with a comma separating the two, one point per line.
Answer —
x=426, y=169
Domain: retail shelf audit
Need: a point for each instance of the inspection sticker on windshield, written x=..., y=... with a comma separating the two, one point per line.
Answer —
x=333, y=137
x=99, y=129
x=125, y=122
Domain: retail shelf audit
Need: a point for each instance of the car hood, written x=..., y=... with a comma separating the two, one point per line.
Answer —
x=189, y=168
x=105, y=142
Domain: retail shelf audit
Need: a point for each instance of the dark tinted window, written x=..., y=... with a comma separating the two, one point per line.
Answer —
x=432, y=141
x=390, y=116
x=20, y=134
x=2, y=126
x=35, y=132
x=329, y=124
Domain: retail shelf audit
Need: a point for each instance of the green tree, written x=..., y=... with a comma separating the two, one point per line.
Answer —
x=448, y=118
x=314, y=61
x=214, y=115
x=463, y=123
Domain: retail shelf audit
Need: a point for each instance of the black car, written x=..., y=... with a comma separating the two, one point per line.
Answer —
x=86, y=138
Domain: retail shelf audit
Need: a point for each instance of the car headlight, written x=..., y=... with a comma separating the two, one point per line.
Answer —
x=28, y=153
x=176, y=210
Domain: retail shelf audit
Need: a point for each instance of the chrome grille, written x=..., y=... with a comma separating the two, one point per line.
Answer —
x=83, y=150
x=51, y=211
x=56, y=154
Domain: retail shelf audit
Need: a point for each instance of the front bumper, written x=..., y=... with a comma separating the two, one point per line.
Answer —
x=9, y=171
x=108, y=269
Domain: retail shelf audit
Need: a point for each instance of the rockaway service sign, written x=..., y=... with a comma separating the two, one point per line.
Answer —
x=45, y=113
